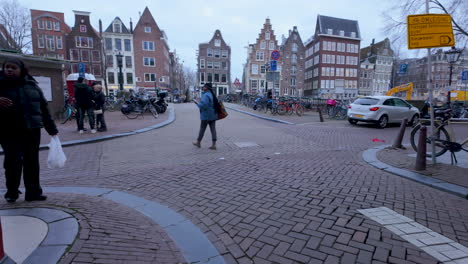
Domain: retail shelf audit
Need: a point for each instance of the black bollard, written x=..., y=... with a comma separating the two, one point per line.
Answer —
x=320, y=113
x=421, y=155
x=401, y=134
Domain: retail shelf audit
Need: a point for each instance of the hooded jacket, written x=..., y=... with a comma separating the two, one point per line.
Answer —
x=30, y=108
x=83, y=96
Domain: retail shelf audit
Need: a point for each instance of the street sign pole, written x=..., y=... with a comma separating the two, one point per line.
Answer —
x=431, y=102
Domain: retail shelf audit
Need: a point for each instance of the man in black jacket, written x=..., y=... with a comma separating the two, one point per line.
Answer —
x=84, y=104
x=23, y=112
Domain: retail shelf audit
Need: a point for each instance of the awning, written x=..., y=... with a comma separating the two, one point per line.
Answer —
x=74, y=77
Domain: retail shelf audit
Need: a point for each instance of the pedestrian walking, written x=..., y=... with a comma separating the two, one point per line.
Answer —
x=23, y=112
x=208, y=115
x=99, y=101
x=84, y=104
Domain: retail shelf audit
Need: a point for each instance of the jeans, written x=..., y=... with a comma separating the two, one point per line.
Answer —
x=22, y=157
x=203, y=125
x=82, y=112
x=100, y=122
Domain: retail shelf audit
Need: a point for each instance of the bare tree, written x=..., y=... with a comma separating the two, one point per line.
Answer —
x=17, y=21
x=396, y=22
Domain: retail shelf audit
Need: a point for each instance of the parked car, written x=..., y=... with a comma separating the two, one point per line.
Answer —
x=382, y=110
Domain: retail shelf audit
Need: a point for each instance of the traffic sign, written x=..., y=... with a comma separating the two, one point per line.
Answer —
x=430, y=31
x=237, y=82
x=81, y=70
x=273, y=65
x=403, y=69
x=275, y=55
x=465, y=77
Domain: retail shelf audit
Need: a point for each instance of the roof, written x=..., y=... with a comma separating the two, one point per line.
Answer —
x=379, y=48
x=337, y=24
x=110, y=28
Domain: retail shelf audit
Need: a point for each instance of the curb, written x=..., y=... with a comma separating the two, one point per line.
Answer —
x=260, y=116
x=69, y=143
x=370, y=156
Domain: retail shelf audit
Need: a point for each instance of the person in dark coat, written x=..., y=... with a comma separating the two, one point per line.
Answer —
x=84, y=104
x=99, y=101
x=208, y=115
x=23, y=112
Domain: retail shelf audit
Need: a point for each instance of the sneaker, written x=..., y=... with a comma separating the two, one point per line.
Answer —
x=213, y=147
x=93, y=131
x=12, y=197
x=197, y=144
x=31, y=198
x=81, y=132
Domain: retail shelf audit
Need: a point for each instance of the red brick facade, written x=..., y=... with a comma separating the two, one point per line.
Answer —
x=292, y=65
x=152, y=62
x=49, y=32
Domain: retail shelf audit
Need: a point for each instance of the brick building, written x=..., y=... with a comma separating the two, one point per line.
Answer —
x=332, y=59
x=118, y=39
x=376, y=68
x=258, y=58
x=292, y=65
x=214, y=64
x=49, y=32
x=6, y=41
x=151, y=54
x=84, y=46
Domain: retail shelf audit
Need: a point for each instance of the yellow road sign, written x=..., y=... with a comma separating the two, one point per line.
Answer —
x=430, y=31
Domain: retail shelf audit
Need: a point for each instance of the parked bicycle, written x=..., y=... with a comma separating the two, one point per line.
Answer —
x=138, y=106
x=69, y=110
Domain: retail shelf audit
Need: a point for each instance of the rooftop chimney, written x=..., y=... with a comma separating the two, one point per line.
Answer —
x=131, y=26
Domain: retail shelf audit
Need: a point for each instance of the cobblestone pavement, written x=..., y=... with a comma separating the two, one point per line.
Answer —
x=291, y=198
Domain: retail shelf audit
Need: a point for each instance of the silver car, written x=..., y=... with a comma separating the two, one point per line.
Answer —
x=382, y=110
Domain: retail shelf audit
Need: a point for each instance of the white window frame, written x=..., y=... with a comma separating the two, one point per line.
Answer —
x=329, y=31
x=147, y=29
x=59, y=40
x=209, y=65
x=271, y=45
x=209, y=52
x=263, y=44
x=150, y=75
x=40, y=24
x=267, y=35
x=202, y=63
x=56, y=26
x=50, y=42
x=149, y=60
x=259, y=56
x=254, y=69
x=119, y=25
x=149, y=42
x=217, y=43
x=39, y=38
x=224, y=53
x=48, y=25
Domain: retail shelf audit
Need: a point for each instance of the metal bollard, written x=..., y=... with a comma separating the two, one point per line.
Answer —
x=421, y=155
x=320, y=113
x=401, y=134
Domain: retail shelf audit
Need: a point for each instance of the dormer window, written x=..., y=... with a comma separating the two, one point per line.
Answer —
x=353, y=34
x=342, y=33
x=117, y=28
x=217, y=42
x=147, y=29
x=330, y=31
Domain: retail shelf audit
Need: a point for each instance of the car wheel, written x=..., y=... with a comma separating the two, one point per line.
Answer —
x=352, y=121
x=414, y=121
x=383, y=121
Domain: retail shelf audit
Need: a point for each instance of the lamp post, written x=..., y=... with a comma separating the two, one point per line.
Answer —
x=452, y=56
x=120, y=65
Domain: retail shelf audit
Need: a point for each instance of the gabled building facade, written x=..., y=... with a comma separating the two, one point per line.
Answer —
x=376, y=68
x=214, y=64
x=292, y=65
x=258, y=60
x=49, y=32
x=332, y=59
x=151, y=54
x=84, y=46
x=118, y=40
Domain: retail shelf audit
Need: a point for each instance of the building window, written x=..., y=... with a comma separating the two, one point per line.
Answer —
x=111, y=78
x=129, y=78
x=149, y=62
x=150, y=77
x=128, y=45
x=209, y=77
x=353, y=34
x=209, y=65
x=293, y=69
x=56, y=26
x=216, y=65
x=262, y=68
x=329, y=31
x=128, y=61
x=217, y=43
x=209, y=52
x=292, y=81
x=40, y=40
x=263, y=44
x=216, y=53
x=342, y=33
x=40, y=24
x=260, y=55
x=108, y=43
x=202, y=64
x=83, y=42
x=109, y=61
x=148, y=45
x=224, y=53
x=85, y=55
x=59, y=42
x=272, y=45
x=118, y=44
x=96, y=56
x=117, y=28
x=74, y=55
x=267, y=35
x=224, y=65
x=294, y=58
x=50, y=43
x=83, y=28
x=254, y=68
x=60, y=56
x=162, y=79
x=254, y=84
x=48, y=25
x=202, y=77
x=97, y=69
x=216, y=77
x=223, y=78
x=147, y=29
x=294, y=47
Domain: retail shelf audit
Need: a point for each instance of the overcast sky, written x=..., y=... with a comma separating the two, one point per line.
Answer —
x=190, y=22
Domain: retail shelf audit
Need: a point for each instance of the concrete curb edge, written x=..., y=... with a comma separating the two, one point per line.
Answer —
x=260, y=116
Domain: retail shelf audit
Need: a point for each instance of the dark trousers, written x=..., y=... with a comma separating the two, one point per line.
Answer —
x=81, y=113
x=100, y=122
x=203, y=125
x=21, y=151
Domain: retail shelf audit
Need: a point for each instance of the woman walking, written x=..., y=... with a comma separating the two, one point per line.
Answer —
x=208, y=115
x=23, y=112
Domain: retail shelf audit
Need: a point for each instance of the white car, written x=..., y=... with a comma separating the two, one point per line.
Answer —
x=382, y=110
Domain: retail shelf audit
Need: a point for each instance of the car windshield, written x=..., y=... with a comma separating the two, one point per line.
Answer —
x=366, y=101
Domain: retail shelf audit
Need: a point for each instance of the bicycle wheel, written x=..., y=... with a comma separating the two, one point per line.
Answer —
x=153, y=111
x=440, y=136
x=299, y=110
x=282, y=109
x=342, y=114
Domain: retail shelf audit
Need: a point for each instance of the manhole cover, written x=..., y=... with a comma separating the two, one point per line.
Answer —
x=246, y=144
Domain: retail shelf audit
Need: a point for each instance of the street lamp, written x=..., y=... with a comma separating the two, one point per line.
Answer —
x=120, y=65
x=452, y=56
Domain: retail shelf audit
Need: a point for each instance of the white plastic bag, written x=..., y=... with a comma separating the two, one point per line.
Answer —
x=56, y=157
